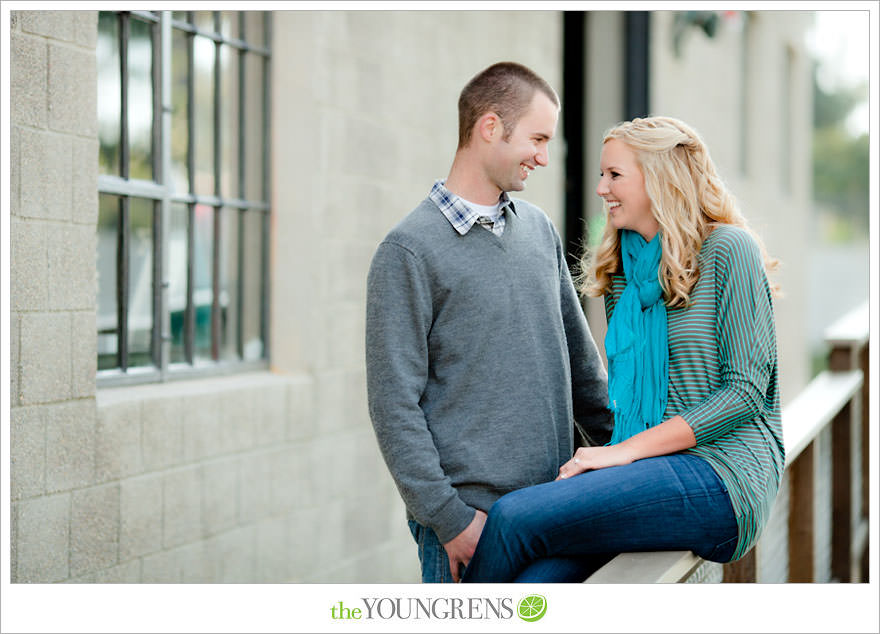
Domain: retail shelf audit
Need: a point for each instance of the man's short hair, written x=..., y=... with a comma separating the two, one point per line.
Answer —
x=505, y=88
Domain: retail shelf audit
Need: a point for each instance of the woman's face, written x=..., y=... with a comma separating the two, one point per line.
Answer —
x=622, y=185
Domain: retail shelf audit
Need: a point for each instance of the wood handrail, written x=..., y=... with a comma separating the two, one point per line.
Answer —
x=852, y=329
x=815, y=407
x=802, y=420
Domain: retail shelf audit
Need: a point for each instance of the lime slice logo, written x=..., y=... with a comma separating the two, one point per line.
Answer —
x=532, y=607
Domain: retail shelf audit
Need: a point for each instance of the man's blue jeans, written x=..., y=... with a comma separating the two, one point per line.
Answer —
x=562, y=531
x=432, y=555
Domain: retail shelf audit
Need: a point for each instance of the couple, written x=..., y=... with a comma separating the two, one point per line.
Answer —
x=480, y=363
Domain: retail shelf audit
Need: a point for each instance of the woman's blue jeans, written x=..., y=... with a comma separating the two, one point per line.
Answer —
x=562, y=531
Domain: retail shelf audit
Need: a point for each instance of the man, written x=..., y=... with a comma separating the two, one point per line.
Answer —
x=479, y=359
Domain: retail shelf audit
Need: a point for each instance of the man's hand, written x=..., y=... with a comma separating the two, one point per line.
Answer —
x=461, y=547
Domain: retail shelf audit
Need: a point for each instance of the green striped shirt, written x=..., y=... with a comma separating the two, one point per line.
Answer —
x=723, y=374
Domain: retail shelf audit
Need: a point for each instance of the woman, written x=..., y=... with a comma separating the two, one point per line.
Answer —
x=696, y=455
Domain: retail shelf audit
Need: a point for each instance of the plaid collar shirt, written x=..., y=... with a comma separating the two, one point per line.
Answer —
x=461, y=216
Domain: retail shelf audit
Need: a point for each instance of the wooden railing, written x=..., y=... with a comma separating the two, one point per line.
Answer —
x=818, y=530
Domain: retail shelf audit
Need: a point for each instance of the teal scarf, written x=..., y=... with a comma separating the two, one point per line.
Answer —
x=636, y=344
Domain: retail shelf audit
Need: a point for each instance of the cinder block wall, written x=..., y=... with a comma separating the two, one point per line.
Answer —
x=53, y=203
x=258, y=477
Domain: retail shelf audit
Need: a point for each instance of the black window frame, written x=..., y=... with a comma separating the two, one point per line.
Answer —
x=161, y=192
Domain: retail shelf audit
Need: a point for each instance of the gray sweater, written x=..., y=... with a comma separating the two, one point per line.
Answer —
x=478, y=359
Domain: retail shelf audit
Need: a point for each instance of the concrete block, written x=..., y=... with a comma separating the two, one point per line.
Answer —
x=46, y=175
x=255, y=487
x=163, y=567
x=239, y=416
x=14, y=170
x=140, y=530
x=345, y=349
x=201, y=427
x=14, y=358
x=28, y=265
x=45, y=357
x=272, y=421
x=162, y=433
x=333, y=403
x=365, y=525
x=53, y=24
x=294, y=482
x=73, y=75
x=304, y=555
x=27, y=452
x=229, y=557
x=41, y=539
x=94, y=529
x=220, y=489
x=301, y=410
x=335, y=470
x=28, y=80
x=70, y=445
x=73, y=282
x=118, y=443
x=129, y=572
x=181, y=507
x=271, y=562
x=85, y=28
x=85, y=181
x=83, y=354
x=194, y=564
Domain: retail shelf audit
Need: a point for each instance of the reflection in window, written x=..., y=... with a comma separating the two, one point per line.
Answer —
x=140, y=99
x=108, y=307
x=204, y=114
x=109, y=92
x=182, y=282
x=140, y=282
x=178, y=245
x=180, y=62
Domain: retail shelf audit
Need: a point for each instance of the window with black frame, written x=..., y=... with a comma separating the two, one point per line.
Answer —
x=183, y=187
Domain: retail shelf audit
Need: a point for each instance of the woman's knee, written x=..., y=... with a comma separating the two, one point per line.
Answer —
x=510, y=510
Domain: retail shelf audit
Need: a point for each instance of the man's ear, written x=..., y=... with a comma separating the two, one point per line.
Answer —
x=490, y=126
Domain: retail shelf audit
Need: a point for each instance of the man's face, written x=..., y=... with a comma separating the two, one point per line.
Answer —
x=512, y=160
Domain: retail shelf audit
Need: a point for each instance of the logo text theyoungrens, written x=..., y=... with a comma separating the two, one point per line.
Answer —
x=440, y=608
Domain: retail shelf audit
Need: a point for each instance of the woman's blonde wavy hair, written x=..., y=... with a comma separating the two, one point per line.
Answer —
x=687, y=197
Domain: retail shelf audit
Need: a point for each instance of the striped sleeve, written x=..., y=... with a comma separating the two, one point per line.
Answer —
x=746, y=341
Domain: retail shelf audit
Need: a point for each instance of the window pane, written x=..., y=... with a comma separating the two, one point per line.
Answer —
x=252, y=277
x=254, y=134
x=254, y=31
x=229, y=24
x=230, y=124
x=204, y=115
x=204, y=20
x=177, y=263
x=203, y=277
x=179, y=114
x=183, y=16
x=108, y=305
x=109, y=95
x=140, y=100
x=140, y=290
x=229, y=284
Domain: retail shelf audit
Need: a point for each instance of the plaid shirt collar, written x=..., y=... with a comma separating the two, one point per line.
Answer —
x=460, y=215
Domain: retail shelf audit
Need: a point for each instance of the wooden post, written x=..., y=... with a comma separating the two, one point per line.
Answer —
x=841, y=487
x=801, y=523
x=744, y=570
